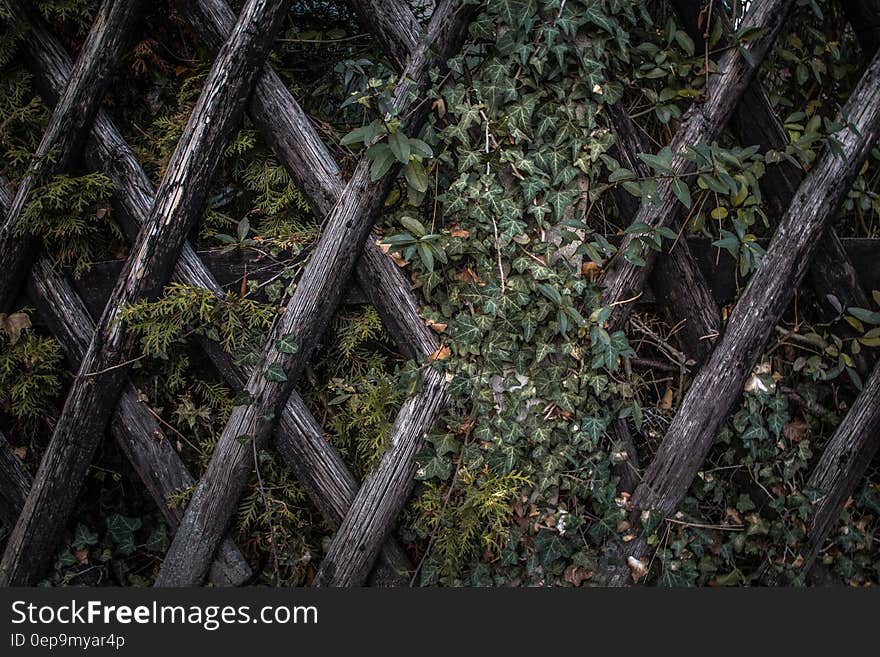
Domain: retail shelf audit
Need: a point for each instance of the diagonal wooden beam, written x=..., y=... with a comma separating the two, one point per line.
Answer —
x=768, y=293
x=306, y=316
x=299, y=438
x=676, y=278
x=179, y=203
x=62, y=140
x=623, y=281
x=15, y=482
x=136, y=431
x=832, y=274
x=842, y=465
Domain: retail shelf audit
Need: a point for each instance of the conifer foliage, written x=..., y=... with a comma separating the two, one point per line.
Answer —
x=518, y=176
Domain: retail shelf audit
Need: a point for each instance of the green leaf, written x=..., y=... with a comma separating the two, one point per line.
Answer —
x=121, y=530
x=416, y=176
x=381, y=159
x=864, y=315
x=287, y=345
x=681, y=191
x=399, y=144
x=275, y=373
x=550, y=292
x=413, y=225
x=621, y=174
x=427, y=256
x=418, y=147
x=356, y=136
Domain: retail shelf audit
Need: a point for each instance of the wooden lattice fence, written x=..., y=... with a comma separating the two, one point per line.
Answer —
x=347, y=261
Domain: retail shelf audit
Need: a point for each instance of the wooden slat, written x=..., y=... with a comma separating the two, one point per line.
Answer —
x=306, y=316
x=179, y=203
x=623, y=281
x=299, y=438
x=62, y=140
x=832, y=275
x=719, y=384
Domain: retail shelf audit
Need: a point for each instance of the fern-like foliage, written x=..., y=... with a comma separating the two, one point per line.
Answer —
x=72, y=216
x=184, y=310
x=30, y=374
x=472, y=517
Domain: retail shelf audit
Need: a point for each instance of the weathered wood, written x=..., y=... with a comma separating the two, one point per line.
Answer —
x=676, y=278
x=179, y=203
x=864, y=16
x=306, y=316
x=293, y=137
x=832, y=275
x=842, y=465
x=15, y=482
x=393, y=23
x=623, y=281
x=136, y=431
x=717, y=267
x=384, y=491
x=299, y=438
x=64, y=136
x=719, y=384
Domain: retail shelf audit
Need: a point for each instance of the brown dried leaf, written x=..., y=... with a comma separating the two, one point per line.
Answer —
x=442, y=353
x=576, y=575
x=796, y=430
x=437, y=327
x=12, y=325
x=82, y=556
x=638, y=568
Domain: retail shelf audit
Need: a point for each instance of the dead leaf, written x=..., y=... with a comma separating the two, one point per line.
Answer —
x=460, y=232
x=576, y=575
x=12, y=325
x=467, y=275
x=442, y=353
x=82, y=556
x=437, y=327
x=638, y=568
x=666, y=402
x=591, y=270
x=20, y=452
x=796, y=430
x=439, y=106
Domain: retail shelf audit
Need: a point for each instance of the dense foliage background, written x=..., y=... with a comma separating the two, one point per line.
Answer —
x=502, y=219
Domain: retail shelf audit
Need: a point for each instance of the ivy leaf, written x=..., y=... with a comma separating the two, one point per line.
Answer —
x=529, y=326
x=594, y=427
x=275, y=373
x=121, y=530
x=287, y=345
x=550, y=546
